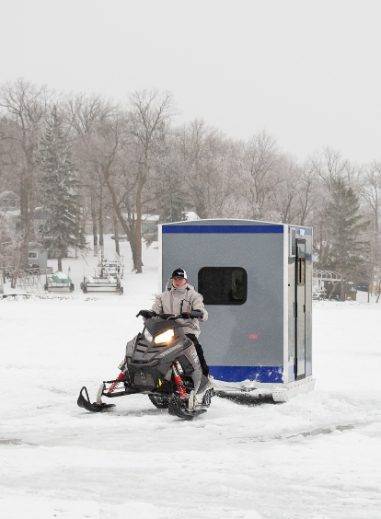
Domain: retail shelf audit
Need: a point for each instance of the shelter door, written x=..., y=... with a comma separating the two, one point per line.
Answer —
x=300, y=313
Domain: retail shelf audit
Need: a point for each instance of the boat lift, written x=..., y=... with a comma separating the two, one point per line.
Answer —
x=106, y=278
x=58, y=282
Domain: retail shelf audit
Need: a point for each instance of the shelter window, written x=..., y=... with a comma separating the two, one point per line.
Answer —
x=32, y=255
x=223, y=285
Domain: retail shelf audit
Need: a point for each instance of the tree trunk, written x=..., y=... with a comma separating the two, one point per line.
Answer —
x=94, y=223
x=130, y=233
x=377, y=246
x=14, y=279
x=59, y=261
x=116, y=232
x=138, y=231
x=134, y=252
x=100, y=217
x=25, y=220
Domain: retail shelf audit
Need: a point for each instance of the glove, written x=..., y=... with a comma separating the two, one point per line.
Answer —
x=147, y=314
x=197, y=314
x=194, y=314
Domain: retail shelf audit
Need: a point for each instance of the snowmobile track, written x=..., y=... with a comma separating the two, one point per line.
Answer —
x=319, y=431
x=14, y=442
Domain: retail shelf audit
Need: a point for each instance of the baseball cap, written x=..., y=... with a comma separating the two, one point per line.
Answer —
x=180, y=273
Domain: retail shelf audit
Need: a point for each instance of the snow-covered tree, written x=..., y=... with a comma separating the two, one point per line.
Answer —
x=24, y=105
x=62, y=228
x=347, y=250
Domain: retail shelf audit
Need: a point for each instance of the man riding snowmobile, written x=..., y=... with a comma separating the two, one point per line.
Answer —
x=161, y=362
x=181, y=298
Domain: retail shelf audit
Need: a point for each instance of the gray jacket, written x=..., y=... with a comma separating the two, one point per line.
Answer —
x=177, y=300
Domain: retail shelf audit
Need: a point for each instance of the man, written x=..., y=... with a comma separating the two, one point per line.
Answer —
x=182, y=299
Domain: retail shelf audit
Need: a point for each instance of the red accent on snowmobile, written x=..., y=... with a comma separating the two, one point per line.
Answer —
x=120, y=378
x=180, y=388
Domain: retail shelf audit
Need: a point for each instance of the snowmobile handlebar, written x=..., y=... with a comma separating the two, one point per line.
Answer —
x=169, y=317
x=147, y=314
x=194, y=314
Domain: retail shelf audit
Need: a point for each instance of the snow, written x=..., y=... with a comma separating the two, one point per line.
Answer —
x=317, y=456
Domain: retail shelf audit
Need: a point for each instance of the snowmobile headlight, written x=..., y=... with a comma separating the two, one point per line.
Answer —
x=165, y=337
x=147, y=335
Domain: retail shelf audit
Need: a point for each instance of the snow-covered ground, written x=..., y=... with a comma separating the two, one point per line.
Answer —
x=316, y=456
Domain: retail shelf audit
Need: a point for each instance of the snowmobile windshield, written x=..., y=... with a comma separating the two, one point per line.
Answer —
x=157, y=326
x=161, y=332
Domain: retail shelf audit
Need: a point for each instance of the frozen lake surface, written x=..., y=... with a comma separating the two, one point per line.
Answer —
x=316, y=456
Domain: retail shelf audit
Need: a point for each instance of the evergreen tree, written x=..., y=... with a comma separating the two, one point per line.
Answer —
x=62, y=228
x=170, y=194
x=347, y=251
x=172, y=209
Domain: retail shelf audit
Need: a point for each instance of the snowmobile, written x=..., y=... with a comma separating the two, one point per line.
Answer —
x=162, y=363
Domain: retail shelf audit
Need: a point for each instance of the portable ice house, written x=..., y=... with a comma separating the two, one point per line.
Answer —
x=256, y=280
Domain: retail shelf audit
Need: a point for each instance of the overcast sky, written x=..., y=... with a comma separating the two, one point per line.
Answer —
x=308, y=72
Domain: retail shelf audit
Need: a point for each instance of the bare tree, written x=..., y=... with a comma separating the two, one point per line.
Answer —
x=148, y=119
x=26, y=106
x=208, y=168
x=194, y=166
x=307, y=195
x=258, y=165
x=295, y=192
x=371, y=193
x=285, y=191
x=328, y=165
x=88, y=115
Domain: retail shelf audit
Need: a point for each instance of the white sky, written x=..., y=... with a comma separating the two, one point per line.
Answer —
x=306, y=71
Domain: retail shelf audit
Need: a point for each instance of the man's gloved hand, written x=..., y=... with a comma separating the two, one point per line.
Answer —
x=194, y=314
x=197, y=314
x=147, y=314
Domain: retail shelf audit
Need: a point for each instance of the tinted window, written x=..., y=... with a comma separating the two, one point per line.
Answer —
x=223, y=285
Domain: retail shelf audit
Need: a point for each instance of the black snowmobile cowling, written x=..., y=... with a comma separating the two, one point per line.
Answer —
x=161, y=362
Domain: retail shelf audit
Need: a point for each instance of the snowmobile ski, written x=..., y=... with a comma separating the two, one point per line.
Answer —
x=95, y=407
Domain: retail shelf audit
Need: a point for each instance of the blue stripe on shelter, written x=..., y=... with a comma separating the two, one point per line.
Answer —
x=222, y=229
x=269, y=374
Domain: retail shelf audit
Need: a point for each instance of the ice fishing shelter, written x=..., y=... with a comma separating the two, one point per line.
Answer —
x=256, y=279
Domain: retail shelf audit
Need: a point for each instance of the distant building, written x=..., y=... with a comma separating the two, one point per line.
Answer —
x=37, y=256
